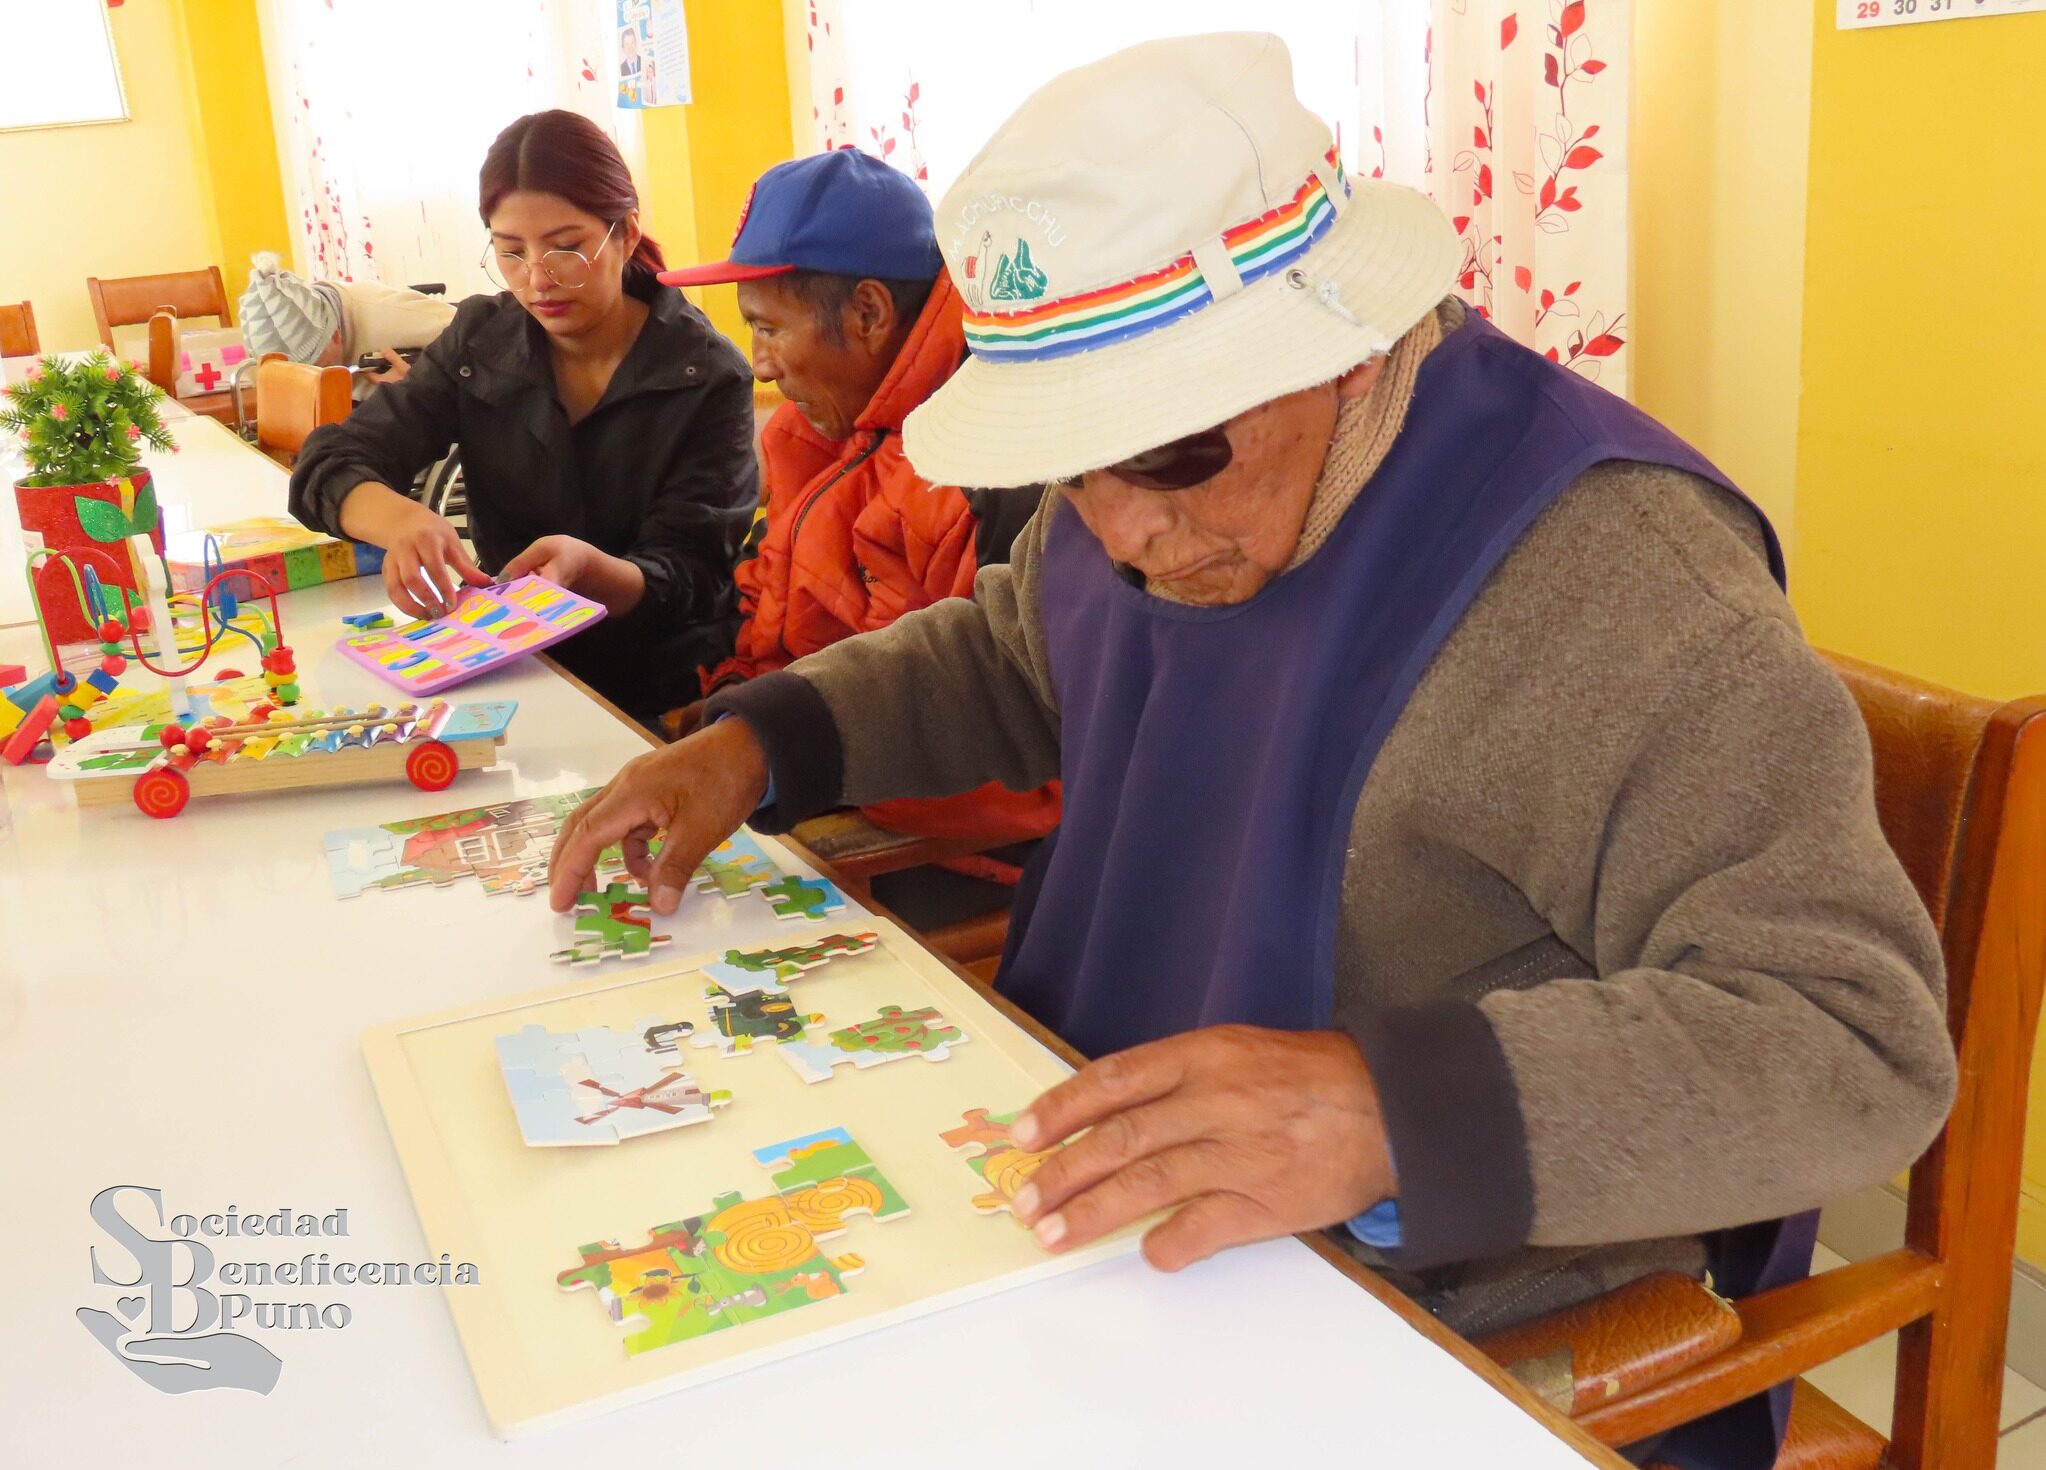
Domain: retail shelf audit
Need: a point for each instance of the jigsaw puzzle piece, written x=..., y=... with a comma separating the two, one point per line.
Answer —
x=1001, y=1165
x=362, y=857
x=889, y=1037
x=735, y=866
x=613, y=924
x=796, y=897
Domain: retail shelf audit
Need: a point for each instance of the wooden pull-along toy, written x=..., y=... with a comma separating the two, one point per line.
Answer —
x=426, y=743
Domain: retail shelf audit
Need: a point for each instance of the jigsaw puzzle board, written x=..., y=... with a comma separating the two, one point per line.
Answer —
x=543, y=1356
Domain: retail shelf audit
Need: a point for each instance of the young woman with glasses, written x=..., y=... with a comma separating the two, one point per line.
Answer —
x=606, y=428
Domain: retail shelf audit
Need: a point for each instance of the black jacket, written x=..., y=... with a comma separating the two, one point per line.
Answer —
x=661, y=472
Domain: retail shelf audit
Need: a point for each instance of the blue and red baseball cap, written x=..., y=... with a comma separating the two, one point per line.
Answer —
x=844, y=212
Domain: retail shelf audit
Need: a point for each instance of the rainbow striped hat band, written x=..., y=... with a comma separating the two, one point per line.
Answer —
x=1091, y=319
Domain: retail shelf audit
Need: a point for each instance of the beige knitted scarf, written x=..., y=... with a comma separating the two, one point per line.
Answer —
x=1364, y=432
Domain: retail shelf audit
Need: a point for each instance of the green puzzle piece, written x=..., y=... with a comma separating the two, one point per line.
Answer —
x=896, y=1030
x=611, y=925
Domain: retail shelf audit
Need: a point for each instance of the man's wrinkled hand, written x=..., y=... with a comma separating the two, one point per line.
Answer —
x=696, y=791
x=1241, y=1133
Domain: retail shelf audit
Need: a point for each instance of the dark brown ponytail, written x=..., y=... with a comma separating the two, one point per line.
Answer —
x=566, y=155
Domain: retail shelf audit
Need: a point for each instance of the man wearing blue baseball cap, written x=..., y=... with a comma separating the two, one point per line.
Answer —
x=855, y=321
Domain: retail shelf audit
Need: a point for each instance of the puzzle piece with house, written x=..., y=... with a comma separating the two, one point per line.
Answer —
x=742, y=1259
x=505, y=847
x=1001, y=1164
x=599, y=1085
x=888, y=1037
x=613, y=924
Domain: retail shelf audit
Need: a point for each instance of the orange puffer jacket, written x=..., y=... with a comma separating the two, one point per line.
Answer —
x=851, y=538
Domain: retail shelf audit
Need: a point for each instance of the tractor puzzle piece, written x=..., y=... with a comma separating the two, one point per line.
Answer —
x=889, y=1037
x=737, y=1021
x=598, y=1086
x=743, y=1259
x=610, y=925
x=744, y=970
x=1001, y=1165
x=796, y=897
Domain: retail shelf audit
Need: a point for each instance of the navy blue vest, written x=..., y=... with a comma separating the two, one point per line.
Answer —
x=1213, y=757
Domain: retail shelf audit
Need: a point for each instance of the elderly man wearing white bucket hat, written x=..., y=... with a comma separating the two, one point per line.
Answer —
x=1461, y=843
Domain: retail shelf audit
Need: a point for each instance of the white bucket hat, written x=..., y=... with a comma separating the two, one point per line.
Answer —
x=1152, y=245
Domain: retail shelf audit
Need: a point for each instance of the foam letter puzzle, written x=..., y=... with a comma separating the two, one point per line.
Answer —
x=490, y=627
x=889, y=1037
x=598, y=1086
x=743, y=1259
x=1000, y=1163
x=611, y=925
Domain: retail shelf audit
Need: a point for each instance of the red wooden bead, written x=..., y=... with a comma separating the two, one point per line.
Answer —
x=226, y=674
x=198, y=740
x=78, y=729
x=113, y=663
x=262, y=712
x=172, y=736
x=110, y=631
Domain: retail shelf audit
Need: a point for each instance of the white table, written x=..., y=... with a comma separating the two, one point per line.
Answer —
x=180, y=1004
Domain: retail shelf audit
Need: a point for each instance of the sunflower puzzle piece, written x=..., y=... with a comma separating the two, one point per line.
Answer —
x=614, y=924
x=888, y=1037
x=598, y=1085
x=796, y=897
x=1000, y=1163
x=743, y=1259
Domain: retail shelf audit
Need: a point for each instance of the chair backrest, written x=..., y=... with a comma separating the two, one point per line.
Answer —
x=295, y=398
x=129, y=301
x=1961, y=793
x=18, y=331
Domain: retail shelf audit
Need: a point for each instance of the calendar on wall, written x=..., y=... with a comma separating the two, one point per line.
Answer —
x=1857, y=15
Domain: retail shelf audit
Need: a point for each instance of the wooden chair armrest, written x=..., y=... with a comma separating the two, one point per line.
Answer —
x=971, y=940
x=1618, y=1344
x=1784, y=1333
x=859, y=850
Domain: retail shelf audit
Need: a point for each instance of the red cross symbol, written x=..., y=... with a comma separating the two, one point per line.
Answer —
x=207, y=376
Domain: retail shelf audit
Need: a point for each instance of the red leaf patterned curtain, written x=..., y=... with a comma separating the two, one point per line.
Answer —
x=1510, y=114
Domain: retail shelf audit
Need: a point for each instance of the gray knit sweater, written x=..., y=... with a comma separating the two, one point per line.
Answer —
x=1620, y=937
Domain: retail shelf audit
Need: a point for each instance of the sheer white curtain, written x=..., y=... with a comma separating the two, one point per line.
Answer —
x=385, y=108
x=1511, y=114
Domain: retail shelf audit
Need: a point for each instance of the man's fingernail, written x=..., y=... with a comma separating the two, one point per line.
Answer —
x=665, y=899
x=1051, y=1230
x=1026, y=1202
x=1025, y=1129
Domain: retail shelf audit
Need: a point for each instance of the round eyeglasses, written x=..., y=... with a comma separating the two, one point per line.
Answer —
x=568, y=269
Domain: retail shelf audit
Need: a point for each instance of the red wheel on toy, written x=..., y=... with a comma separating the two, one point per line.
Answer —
x=161, y=793
x=432, y=766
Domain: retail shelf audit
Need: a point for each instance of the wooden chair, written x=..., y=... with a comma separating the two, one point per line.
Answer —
x=18, y=331
x=859, y=852
x=1961, y=792
x=130, y=301
x=297, y=398
x=161, y=368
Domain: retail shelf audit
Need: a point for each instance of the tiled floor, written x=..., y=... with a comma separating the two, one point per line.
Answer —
x=1863, y=1381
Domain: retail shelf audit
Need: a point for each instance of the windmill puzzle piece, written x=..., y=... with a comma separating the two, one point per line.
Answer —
x=743, y=1259
x=614, y=924
x=889, y=1037
x=1000, y=1163
x=599, y=1086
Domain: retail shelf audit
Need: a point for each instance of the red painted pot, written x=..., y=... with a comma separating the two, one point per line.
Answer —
x=92, y=523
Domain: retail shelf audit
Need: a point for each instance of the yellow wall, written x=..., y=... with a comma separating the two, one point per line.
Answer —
x=738, y=126
x=111, y=199
x=1718, y=184
x=190, y=180
x=1921, y=502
